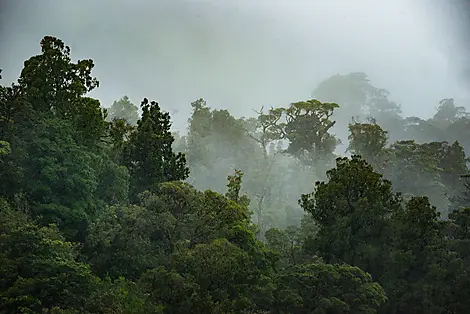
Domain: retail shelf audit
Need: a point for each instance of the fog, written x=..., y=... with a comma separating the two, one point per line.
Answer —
x=241, y=55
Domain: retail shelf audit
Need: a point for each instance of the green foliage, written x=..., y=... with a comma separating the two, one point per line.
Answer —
x=121, y=296
x=436, y=167
x=4, y=148
x=231, y=279
x=351, y=210
x=90, y=123
x=363, y=223
x=39, y=269
x=53, y=82
x=419, y=262
x=128, y=240
x=220, y=143
x=123, y=241
x=234, y=187
x=306, y=127
x=206, y=229
x=95, y=216
x=286, y=242
x=113, y=187
x=119, y=132
x=148, y=153
x=323, y=288
x=61, y=180
x=54, y=85
x=367, y=140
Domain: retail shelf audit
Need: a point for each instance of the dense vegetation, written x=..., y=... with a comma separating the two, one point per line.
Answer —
x=108, y=211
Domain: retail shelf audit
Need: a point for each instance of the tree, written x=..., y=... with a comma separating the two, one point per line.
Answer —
x=305, y=125
x=286, y=242
x=90, y=123
x=464, y=199
x=458, y=131
x=323, y=288
x=15, y=125
x=307, y=129
x=216, y=143
x=448, y=113
x=421, y=269
x=367, y=140
x=420, y=130
x=43, y=273
x=357, y=97
x=113, y=186
x=350, y=91
x=119, y=133
x=436, y=168
x=53, y=82
x=234, y=186
x=149, y=155
x=95, y=216
x=39, y=269
x=124, y=241
x=124, y=109
x=62, y=178
x=232, y=284
x=199, y=217
x=352, y=211
x=233, y=280
x=54, y=85
x=264, y=170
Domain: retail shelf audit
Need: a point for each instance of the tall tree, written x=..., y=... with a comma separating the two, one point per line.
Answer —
x=54, y=85
x=53, y=82
x=148, y=153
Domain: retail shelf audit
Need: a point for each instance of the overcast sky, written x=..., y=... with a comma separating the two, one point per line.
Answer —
x=241, y=54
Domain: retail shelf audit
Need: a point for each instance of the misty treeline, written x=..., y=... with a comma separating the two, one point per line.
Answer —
x=109, y=211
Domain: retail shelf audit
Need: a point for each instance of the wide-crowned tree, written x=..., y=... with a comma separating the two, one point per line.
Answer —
x=324, y=288
x=352, y=211
x=306, y=126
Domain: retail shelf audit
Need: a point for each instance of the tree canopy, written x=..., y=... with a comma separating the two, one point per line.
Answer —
x=109, y=211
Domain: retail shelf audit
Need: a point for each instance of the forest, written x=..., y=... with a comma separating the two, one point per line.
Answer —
x=334, y=204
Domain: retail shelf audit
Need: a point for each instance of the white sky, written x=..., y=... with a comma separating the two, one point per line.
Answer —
x=239, y=54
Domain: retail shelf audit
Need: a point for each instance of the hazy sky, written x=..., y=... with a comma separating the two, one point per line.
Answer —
x=241, y=54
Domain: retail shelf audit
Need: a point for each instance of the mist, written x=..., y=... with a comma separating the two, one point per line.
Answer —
x=218, y=206
x=241, y=55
